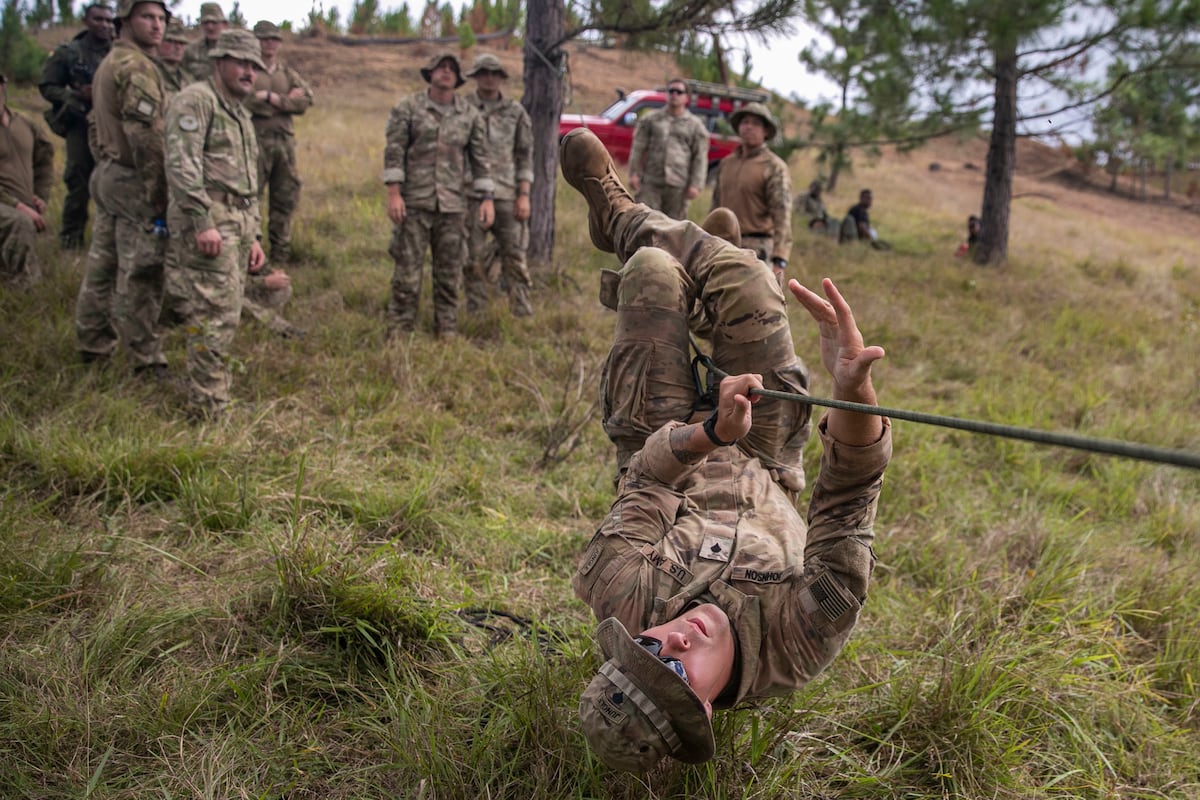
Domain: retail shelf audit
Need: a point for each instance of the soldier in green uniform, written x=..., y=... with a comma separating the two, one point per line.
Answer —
x=212, y=178
x=510, y=141
x=668, y=163
x=813, y=208
x=279, y=95
x=170, y=58
x=121, y=294
x=729, y=594
x=431, y=137
x=26, y=172
x=67, y=84
x=196, y=63
x=754, y=184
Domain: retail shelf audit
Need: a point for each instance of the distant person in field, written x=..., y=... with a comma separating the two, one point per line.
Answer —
x=754, y=184
x=433, y=138
x=280, y=95
x=712, y=590
x=973, y=229
x=26, y=176
x=668, y=163
x=813, y=208
x=196, y=62
x=510, y=141
x=856, y=227
x=170, y=58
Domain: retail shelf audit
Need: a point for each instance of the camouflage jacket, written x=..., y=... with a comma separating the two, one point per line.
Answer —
x=269, y=118
x=26, y=162
x=71, y=66
x=722, y=531
x=196, y=64
x=671, y=151
x=211, y=146
x=173, y=77
x=756, y=187
x=129, y=106
x=428, y=149
x=510, y=142
x=814, y=208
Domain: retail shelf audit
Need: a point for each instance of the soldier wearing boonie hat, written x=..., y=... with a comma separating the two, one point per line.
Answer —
x=170, y=57
x=436, y=61
x=732, y=595
x=195, y=58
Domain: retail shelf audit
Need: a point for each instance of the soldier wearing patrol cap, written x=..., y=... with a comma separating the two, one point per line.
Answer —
x=196, y=63
x=170, y=58
x=121, y=294
x=432, y=136
x=711, y=588
x=754, y=184
x=510, y=140
x=212, y=177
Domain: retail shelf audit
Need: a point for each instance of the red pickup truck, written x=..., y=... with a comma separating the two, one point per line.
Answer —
x=711, y=102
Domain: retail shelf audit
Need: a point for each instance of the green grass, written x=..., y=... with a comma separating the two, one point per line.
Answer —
x=272, y=606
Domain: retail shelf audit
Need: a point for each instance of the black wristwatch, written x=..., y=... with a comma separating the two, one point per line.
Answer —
x=780, y=263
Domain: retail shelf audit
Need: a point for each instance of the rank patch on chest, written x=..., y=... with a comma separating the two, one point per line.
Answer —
x=716, y=548
x=189, y=123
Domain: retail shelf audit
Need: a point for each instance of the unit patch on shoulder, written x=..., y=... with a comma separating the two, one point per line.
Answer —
x=189, y=123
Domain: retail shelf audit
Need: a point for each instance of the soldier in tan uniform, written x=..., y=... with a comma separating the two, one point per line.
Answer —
x=730, y=595
x=754, y=184
x=432, y=136
x=668, y=162
x=196, y=63
x=170, y=58
x=279, y=95
x=26, y=175
x=121, y=294
x=510, y=141
x=212, y=175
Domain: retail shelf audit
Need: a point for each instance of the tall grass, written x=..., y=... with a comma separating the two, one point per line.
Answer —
x=276, y=605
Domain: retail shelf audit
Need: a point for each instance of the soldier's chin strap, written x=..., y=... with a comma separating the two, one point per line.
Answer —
x=707, y=389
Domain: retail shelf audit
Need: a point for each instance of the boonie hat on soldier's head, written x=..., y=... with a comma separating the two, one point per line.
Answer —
x=760, y=111
x=212, y=12
x=638, y=710
x=176, y=32
x=239, y=44
x=265, y=29
x=125, y=7
x=432, y=64
x=486, y=62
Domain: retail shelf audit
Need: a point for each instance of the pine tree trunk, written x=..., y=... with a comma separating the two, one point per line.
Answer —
x=543, y=101
x=1168, y=168
x=992, y=247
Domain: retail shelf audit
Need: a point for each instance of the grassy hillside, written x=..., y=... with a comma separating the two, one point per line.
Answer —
x=284, y=604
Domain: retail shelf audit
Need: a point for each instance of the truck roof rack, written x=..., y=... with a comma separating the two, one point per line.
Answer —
x=732, y=92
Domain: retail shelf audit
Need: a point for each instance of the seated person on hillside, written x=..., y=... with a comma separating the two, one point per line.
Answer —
x=813, y=208
x=973, y=228
x=856, y=227
x=731, y=596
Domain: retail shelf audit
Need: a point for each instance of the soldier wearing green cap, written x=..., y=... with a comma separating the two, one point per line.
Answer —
x=196, y=63
x=26, y=173
x=212, y=178
x=432, y=137
x=510, y=140
x=711, y=587
x=280, y=94
x=754, y=184
x=170, y=58
x=121, y=294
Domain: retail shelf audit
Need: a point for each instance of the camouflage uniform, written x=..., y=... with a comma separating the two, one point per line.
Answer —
x=510, y=141
x=173, y=76
x=427, y=152
x=70, y=67
x=26, y=172
x=212, y=176
x=755, y=185
x=121, y=293
x=277, y=145
x=669, y=156
x=196, y=63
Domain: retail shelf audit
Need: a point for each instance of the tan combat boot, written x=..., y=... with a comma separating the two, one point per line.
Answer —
x=723, y=223
x=589, y=169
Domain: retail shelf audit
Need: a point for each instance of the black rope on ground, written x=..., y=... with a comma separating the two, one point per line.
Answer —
x=550, y=641
x=1113, y=447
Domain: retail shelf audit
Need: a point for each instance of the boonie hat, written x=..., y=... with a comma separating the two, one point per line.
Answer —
x=212, y=12
x=432, y=64
x=486, y=62
x=239, y=44
x=125, y=7
x=175, y=32
x=637, y=710
x=758, y=110
x=265, y=29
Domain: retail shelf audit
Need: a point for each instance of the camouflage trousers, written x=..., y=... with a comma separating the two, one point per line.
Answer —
x=489, y=267
x=670, y=200
x=647, y=378
x=19, y=263
x=445, y=237
x=121, y=294
x=207, y=295
x=76, y=176
x=277, y=174
x=266, y=305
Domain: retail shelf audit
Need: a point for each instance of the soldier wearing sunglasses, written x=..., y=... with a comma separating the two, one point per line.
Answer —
x=668, y=162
